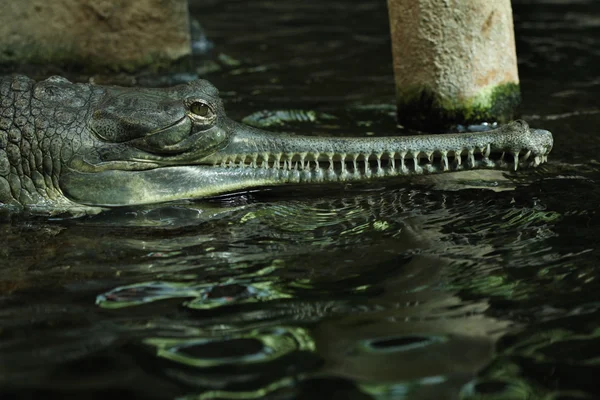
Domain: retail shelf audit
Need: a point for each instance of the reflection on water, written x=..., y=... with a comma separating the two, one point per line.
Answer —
x=477, y=287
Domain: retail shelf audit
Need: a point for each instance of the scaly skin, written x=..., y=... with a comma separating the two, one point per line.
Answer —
x=68, y=147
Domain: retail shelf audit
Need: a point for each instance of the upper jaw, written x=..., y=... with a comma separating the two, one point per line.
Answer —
x=509, y=147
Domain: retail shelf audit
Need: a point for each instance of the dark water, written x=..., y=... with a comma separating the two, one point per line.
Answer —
x=381, y=291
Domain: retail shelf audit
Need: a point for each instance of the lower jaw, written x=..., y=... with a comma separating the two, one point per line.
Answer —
x=119, y=188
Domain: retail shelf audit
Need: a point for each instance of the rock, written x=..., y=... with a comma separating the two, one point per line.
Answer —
x=116, y=34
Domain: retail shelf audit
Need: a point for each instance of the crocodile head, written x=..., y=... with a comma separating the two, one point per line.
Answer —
x=157, y=145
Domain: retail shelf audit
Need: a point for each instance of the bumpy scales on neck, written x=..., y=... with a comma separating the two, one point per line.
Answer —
x=65, y=145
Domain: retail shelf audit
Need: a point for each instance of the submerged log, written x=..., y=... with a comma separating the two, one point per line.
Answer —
x=454, y=61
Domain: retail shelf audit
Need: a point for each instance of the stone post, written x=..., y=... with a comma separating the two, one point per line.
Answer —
x=454, y=61
x=116, y=34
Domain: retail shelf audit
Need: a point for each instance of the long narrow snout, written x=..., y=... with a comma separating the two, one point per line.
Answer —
x=255, y=158
x=333, y=159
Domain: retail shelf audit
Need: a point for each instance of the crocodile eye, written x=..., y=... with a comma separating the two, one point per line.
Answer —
x=200, y=109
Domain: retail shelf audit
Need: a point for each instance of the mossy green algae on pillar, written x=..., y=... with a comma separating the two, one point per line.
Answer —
x=454, y=62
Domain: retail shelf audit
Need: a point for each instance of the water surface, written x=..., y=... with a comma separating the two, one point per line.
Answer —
x=473, y=289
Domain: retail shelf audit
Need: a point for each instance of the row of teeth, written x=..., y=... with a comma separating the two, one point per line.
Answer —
x=396, y=160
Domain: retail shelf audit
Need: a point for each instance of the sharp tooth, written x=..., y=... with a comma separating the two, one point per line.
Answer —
x=355, y=157
x=403, y=168
x=296, y=166
x=502, y=156
x=472, y=158
x=302, y=158
x=457, y=157
x=379, y=161
x=317, y=160
x=343, y=161
x=415, y=159
x=526, y=156
x=265, y=161
x=392, y=164
x=445, y=160
x=416, y=166
x=536, y=161
x=487, y=151
x=516, y=157
x=254, y=158
x=231, y=164
x=430, y=157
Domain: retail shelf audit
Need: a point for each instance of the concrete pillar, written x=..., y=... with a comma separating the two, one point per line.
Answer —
x=119, y=34
x=454, y=62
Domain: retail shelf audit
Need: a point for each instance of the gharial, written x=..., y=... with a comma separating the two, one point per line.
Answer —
x=81, y=146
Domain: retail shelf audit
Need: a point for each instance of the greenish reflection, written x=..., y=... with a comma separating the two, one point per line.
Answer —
x=206, y=295
x=286, y=118
x=255, y=346
x=243, y=395
x=500, y=389
x=257, y=292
